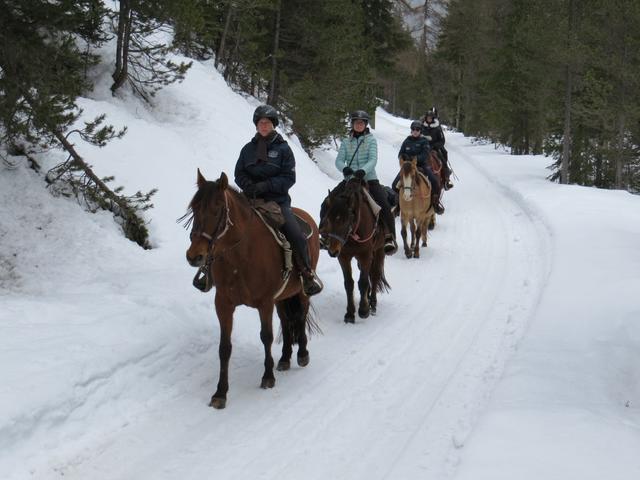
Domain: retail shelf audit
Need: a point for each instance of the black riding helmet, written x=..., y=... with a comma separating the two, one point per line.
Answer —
x=265, y=111
x=360, y=115
x=416, y=125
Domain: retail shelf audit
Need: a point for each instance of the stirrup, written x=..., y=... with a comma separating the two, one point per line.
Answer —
x=311, y=284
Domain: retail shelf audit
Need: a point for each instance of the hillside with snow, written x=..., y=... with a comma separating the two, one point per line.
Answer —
x=510, y=349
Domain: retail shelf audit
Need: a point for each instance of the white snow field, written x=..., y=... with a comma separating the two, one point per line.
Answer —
x=510, y=349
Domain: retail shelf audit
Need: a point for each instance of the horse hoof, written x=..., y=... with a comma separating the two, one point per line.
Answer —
x=373, y=311
x=349, y=318
x=218, y=403
x=303, y=360
x=267, y=383
x=364, y=313
x=424, y=244
x=408, y=254
x=284, y=365
x=416, y=255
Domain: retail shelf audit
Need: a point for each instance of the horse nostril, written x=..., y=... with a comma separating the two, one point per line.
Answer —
x=195, y=260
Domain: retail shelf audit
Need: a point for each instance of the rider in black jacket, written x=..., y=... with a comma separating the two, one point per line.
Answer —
x=266, y=169
x=432, y=129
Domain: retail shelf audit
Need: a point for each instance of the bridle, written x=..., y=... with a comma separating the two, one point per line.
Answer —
x=222, y=227
x=352, y=232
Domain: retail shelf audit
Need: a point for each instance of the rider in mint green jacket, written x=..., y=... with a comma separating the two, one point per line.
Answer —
x=359, y=154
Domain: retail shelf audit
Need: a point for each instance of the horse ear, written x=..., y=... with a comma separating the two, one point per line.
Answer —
x=223, y=181
x=400, y=160
x=201, y=179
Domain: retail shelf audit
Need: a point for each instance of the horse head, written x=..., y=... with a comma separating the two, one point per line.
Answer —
x=342, y=216
x=208, y=215
x=408, y=173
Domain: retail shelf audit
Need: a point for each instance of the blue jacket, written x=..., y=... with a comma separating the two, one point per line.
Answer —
x=279, y=171
x=365, y=158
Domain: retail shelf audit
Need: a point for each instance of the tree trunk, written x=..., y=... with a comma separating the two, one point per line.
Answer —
x=125, y=19
x=223, y=39
x=566, y=136
x=425, y=39
x=273, y=90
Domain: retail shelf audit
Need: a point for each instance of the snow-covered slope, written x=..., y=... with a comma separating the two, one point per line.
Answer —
x=108, y=356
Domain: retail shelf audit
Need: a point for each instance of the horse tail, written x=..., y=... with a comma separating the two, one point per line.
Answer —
x=378, y=281
x=297, y=316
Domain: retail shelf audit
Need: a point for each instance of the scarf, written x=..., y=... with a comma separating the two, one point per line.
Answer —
x=262, y=144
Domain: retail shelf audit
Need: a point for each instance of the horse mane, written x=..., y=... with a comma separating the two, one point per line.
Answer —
x=203, y=197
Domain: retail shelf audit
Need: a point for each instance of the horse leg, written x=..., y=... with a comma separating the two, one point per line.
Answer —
x=266, y=335
x=413, y=236
x=345, y=264
x=224, y=310
x=416, y=248
x=425, y=227
x=301, y=333
x=376, y=274
x=403, y=232
x=293, y=314
x=287, y=336
x=364, y=285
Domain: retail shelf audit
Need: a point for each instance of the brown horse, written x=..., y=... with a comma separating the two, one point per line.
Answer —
x=246, y=266
x=415, y=206
x=352, y=230
x=436, y=167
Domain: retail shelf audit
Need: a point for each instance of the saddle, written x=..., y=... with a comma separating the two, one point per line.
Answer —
x=271, y=215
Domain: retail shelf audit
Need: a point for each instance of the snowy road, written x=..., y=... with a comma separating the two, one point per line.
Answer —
x=392, y=396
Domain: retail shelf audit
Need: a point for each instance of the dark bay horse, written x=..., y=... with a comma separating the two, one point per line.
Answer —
x=436, y=167
x=353, y=230
x=246, y=267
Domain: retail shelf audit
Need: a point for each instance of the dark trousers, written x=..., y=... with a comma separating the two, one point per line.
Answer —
x=435, y=184
x=379, y=194
x=294, y=235
x=444, y=156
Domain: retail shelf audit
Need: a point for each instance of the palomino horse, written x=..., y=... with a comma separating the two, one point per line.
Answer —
x=246, y=265
x=352, y=230
x=415, y=206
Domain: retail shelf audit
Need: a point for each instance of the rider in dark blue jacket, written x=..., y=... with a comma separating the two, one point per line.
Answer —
x=417, y=145
x=266, y=169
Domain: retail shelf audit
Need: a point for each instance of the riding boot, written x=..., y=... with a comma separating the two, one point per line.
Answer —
x=311, y=284
x=437, y=206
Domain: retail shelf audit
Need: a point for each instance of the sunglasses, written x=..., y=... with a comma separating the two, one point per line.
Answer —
x=416, y=129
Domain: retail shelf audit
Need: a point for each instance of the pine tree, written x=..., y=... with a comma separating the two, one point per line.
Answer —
x=44, y=54
x=141, y=59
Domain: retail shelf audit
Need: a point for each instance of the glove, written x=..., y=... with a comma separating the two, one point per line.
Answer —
x=346, y=171
x=359, y=174
x=262, y=187
x=254, y=189
x=429, y=137
x=250, y=190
